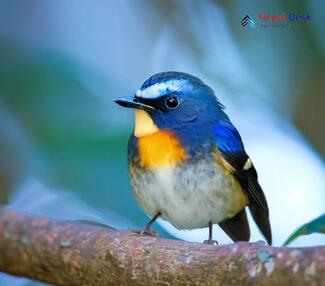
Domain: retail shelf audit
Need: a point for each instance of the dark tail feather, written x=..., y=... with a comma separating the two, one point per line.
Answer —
x=237, y=227
x=262, y=220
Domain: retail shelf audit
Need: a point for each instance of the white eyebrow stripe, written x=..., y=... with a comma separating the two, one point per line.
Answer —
x=159, y=89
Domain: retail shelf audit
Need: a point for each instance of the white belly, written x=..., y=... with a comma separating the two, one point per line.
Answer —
x=188, y=196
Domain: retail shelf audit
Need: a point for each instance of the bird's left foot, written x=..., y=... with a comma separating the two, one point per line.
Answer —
x=210, y=241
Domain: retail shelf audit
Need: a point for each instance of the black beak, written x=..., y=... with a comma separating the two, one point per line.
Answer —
x=132, y=102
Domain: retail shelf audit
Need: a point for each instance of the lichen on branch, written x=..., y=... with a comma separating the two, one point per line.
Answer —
x=65, y=253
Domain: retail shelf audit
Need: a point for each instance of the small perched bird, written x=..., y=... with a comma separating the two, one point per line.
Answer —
x=187, y=162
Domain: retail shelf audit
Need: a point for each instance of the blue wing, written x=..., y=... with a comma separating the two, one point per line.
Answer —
x=232, y=150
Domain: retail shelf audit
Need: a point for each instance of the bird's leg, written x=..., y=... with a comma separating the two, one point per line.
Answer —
x=210, y=240
x=146, y=230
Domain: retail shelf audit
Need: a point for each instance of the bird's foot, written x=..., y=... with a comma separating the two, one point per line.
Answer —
x=210, y=241
x=145, y=232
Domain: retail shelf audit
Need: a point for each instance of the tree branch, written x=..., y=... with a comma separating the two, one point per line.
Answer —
x=64, y=253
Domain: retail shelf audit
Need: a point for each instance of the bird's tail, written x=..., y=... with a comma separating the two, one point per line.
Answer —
x=262, y=220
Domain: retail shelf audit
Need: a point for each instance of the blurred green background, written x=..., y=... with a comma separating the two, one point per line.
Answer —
x=56, y=129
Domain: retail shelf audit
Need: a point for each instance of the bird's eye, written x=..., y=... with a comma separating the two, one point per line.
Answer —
x=172, y=102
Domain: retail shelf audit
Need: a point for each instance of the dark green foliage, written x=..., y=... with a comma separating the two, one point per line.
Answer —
x=315, y=226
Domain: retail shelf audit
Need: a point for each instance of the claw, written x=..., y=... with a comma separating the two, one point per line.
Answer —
x=144, y=232
x=210, y=241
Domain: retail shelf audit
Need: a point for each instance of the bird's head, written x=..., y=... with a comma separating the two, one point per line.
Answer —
x=170, y=101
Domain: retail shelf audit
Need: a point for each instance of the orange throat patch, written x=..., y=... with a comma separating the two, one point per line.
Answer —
x=160, y=149
x=156, y=148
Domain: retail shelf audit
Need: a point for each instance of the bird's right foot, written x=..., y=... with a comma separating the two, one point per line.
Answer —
x=145, y=232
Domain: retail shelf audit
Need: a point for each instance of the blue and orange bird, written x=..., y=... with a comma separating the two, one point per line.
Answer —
x=187, y=162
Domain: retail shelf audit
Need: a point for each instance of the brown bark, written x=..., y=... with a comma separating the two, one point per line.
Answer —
x=65, y=253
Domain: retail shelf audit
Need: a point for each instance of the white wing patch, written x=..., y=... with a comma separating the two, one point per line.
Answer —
x=248, y=164
x=159, y=89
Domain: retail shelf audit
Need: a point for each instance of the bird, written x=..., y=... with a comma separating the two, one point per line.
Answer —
x=186, y=160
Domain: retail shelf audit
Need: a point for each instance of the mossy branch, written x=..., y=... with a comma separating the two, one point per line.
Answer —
x=65, y=253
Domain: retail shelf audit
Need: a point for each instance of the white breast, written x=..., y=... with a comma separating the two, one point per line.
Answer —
x=188, y=196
